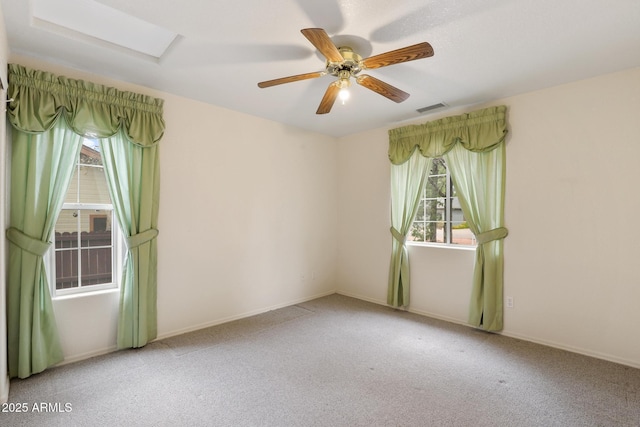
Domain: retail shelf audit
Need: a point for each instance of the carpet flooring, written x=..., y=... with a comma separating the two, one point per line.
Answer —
x=332, y=361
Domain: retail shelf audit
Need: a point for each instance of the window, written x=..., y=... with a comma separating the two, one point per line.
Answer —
x=439, y=218
x=87, y=254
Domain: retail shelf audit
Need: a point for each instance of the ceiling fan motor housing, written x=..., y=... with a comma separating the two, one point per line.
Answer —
x=350, y=64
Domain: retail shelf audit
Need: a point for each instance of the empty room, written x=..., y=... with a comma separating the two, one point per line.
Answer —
x=304, y=213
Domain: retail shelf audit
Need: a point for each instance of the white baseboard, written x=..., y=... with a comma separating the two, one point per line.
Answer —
x=408, y=309
x=240, y=316
x=578, y=350
x=363, y=298
x=94, y=353
x=87, y=355
x=560, y=346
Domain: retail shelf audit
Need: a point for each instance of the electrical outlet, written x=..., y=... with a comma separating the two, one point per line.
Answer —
x=509, y=302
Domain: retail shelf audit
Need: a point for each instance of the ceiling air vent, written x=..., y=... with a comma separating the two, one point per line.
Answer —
x=431, y=107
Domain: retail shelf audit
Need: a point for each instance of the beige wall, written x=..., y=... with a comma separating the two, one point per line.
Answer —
x=572, y=250
x=248, y=215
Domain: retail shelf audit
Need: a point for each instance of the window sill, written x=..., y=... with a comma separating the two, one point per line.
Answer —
x=443, y=246
x=85, y=294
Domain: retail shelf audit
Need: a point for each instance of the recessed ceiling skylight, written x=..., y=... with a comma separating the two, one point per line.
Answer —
x=96, y=22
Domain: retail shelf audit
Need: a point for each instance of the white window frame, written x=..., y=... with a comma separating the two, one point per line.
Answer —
x=448, y=216
x=117, y=253
x=117, y=256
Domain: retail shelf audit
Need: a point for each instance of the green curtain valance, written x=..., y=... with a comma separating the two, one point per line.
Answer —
x=478, y=131
x=90, y=109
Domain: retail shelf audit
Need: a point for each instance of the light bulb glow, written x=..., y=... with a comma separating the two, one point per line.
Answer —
x=344, y=95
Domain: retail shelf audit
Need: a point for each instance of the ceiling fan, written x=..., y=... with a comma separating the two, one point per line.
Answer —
x=344, y=63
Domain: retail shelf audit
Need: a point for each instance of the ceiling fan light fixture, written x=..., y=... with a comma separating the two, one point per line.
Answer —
x=344, y=84
x=344, y=95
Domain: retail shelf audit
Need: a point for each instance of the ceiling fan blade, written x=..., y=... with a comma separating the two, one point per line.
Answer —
x=384, y=89
x=290, y=79
x=320, y=39
x=409, y=53
x=328, y=99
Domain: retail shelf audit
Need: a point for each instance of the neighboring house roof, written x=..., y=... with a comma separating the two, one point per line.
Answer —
x=90, y=156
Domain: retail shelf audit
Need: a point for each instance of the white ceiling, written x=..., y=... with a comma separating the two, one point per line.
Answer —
x=484, y=50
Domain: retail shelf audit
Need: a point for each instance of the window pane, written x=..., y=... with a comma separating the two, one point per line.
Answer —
x=423, y=232
x=438, y=167
x=456, y=210
x=90, y=153
x=440, y=233
x=96, y=266
x=431, y=209
x=72, y=191
x=433, y=232
x=88, y=184
x=66, y=268
x=461, y=234
x=440, y=218
x=95, y=256
x=93, y=185
x=66, y=224
x=66, y=244
x=101, y=238
x=436, y=186
x=420, y=213
x=99, y=222
x=416, y=233
x=84, y=244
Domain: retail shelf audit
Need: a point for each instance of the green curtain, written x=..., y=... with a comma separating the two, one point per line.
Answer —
x=42, y=101
x=479, y=180
x=480, y=137
x=41, y=167
x=407, y=181
x=133, y=176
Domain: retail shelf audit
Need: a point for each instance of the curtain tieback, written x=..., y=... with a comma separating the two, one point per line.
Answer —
x=141, y=238
x=491, y=235
x=27, y=243
x=398, y=236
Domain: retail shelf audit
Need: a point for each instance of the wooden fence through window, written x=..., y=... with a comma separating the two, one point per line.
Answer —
x=95, y=258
